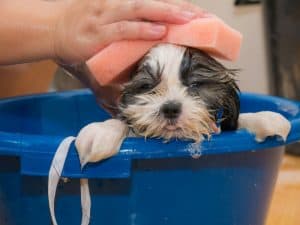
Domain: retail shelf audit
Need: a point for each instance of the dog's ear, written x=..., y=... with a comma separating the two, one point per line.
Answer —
x=214, y=84
x=231, y=108
x=106, y=96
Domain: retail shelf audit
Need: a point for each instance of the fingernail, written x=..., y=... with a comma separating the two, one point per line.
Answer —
x=208, y=15
x=157, y=30
x=187, y=15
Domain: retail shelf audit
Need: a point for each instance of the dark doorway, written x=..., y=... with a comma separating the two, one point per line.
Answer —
x=283, y=38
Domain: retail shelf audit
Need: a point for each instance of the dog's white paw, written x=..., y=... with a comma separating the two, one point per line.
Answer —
x=265, y=124
x=98, y=141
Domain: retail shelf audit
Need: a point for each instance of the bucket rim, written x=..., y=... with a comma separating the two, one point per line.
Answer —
x=226, y=142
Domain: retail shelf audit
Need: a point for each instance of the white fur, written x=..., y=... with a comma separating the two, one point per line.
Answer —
x=169, y=57
x=98, y=141
x=265, y=124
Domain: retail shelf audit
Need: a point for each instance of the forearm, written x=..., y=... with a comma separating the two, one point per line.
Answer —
x=72, y=31
x=26, y=30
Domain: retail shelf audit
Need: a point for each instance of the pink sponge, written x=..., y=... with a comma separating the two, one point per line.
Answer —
x=209, y=34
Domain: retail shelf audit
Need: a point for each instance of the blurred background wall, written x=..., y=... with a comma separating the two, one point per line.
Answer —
x=27, y=78
x=249, y=20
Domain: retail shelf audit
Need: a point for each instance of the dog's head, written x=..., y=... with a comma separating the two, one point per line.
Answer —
x=178, y=92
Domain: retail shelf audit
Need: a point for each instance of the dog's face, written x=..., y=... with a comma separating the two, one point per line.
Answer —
x=178, y=92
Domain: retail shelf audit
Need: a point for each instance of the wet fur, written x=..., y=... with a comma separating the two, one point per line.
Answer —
x=191, y=77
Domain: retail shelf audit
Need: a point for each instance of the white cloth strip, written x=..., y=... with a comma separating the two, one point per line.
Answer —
x=85, y=201
x=56, y=169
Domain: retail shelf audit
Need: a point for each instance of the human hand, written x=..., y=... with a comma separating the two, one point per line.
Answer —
x=83, y=28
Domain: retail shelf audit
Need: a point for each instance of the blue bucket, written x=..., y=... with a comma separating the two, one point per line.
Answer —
x=148, y=182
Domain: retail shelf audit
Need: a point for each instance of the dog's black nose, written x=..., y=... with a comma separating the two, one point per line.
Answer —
x=171, y=109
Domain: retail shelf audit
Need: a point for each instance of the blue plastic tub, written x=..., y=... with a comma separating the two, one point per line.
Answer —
x=148, y=183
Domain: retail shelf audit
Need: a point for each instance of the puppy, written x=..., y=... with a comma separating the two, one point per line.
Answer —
x=177, y=92
x=174, y=93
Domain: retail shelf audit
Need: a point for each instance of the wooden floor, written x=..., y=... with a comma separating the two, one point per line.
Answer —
x=285, y=207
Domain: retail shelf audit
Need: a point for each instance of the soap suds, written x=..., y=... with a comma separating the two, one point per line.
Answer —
x=195, y=150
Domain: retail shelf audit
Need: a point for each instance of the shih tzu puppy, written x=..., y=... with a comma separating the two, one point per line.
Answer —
x=174, y=93
x=178, y=92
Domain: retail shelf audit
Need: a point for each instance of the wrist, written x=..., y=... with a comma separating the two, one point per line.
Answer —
x=53, y=15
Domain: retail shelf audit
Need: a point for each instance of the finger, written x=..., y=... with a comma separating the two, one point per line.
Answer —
x=185, y=5
x=150, y=10
x=129, y=30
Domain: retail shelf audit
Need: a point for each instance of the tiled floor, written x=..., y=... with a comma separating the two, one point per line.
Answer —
x=285, y=207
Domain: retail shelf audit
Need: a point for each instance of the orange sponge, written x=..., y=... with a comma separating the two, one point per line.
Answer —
x=209, y=34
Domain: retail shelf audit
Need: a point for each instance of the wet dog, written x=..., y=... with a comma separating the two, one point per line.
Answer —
x=174, y=92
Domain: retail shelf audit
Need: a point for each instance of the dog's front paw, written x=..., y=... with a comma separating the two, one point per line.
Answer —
x=265, y=124
x=98, y=141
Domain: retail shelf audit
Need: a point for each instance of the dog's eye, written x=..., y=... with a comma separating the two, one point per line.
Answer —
x=197, y=84
x=143, y=87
